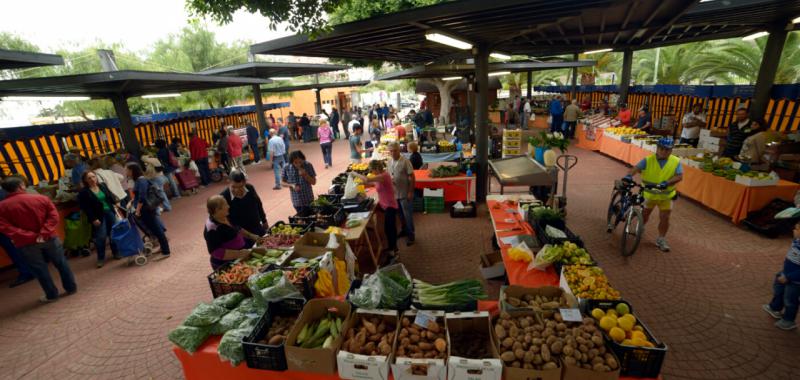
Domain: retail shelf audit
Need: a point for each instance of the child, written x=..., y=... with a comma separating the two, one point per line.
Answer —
x=787, y=287
x=387, y=201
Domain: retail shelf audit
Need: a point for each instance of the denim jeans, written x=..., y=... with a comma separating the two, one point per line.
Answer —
x=406, y=213
x=277, y=166
x=557, y=123
x=16, y=257
x=327, y=149
x=156, y=227
x=37, y=256
x=173, y=183
x=785, y=297
x=102, y=233
x=569, y=128
x=205, y=172
x=159, y=181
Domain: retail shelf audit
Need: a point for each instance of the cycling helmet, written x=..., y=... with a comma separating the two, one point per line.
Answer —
x=666, y=142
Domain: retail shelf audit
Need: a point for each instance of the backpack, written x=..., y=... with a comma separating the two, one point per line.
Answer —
x=152, y=198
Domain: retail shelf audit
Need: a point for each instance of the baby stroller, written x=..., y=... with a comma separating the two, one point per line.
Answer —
x=130, y=243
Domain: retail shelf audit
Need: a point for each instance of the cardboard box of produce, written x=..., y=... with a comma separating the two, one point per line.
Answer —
x=513, y=373
x=407, y=368
x=319, y=360
x=471, y=353
x=492, y=265
x=353, y=364
x=314, y=244
x=520, y=294
x=572, y=372
x=564, y=285
x=755, y=182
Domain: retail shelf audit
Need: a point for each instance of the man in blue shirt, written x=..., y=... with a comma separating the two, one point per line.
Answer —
x=74, y=162
x=556, y=114
x=335, y=122
x=252, y=140
x=283, y=132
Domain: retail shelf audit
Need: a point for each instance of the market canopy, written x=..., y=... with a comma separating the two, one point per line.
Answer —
x=119, y=83
x=463, y=69
x=274, y=69
x=537, y=28
x=11, y=59
x=316, y=86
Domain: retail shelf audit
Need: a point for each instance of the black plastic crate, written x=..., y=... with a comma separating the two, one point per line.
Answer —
x=306, y=286
x=633, y=361
x=334, y=199
x=219, y=289
x=263, y=356
x=305, y=227
x=470, y=210
x=763, y=221
x=329, y=216
x=541, y=234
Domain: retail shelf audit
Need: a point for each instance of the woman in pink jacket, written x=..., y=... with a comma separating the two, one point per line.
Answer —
x=325, y=135
x=235, y=150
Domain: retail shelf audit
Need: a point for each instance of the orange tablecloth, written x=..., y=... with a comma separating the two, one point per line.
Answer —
x=583, y=142
x=63, y=211
x=719, y=194
x=458, y=188
x=517, y=271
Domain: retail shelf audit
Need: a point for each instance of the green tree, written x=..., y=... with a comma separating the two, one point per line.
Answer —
x=676, y=64
x=734, y=60
x=300, y=15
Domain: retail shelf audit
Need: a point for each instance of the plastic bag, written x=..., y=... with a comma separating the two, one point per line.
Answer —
x=205, y=315
x=351, y=188
x=229, y=322
x=386, y=289
x=230, y=346
x=272, y=286
x=250, y=306
x=521, y=252
x=229, y=301
x=368, y=296
x=544, y=258
x=554, y=232
x=188, y=338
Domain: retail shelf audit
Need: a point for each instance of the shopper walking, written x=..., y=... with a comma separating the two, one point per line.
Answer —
x=291, y=120
x=512, y=117
x=387, y=202
x=300, y=176
x=252, y=141
x=556, y=115
x=284, y=133
x=99, y=205
x=526, y=110
x=113, y=180
x=24, y=273
x=571, y=115
x=145, y=208
x=235, y=151
x=325, y=135
x=355, y=144
x=346, y=118
x=403, y=180
x=277, y=149
x=334, y=122
x=222, y=148
x=225, y=241
x=198, y=151
x=30, y=221
x=305, y=126
x=246, y=209
x=786, y=287
x=169, y=163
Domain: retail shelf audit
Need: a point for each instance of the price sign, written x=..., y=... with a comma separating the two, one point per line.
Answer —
x=571, y=315
x=423, y=318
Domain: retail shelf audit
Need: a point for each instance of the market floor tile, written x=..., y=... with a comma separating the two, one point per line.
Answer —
x=703, y=299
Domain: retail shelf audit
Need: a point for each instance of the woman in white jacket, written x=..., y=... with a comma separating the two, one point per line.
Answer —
x=112, y=180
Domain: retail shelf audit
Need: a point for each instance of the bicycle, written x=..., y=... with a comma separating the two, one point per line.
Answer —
x=627, y=205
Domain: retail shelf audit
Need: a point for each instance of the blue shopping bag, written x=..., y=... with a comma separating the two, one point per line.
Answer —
x=127, y=238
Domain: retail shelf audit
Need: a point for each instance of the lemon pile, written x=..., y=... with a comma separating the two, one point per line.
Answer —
x=625, y=131
x=622, y=326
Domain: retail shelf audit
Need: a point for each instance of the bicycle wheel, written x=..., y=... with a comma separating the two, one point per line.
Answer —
x=632, y=232
x=614, y=208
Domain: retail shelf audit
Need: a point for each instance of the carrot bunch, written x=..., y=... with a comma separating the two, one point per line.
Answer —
x=235, y=274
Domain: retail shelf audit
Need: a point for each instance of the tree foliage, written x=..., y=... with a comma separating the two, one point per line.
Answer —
x=300, y=15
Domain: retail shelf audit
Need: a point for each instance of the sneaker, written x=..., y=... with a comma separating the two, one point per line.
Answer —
x=785, y=325
x=662, y=245
x=44, y=299
x=772, y=313
x=70, y=293
x=100, y=263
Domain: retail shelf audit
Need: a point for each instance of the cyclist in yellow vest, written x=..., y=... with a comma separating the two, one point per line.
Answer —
x=664, y=171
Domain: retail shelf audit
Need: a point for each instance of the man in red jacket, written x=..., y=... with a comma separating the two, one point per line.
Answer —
x=30, y=221
x=198, y=149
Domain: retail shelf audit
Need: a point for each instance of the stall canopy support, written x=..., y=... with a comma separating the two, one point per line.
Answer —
x=262, y=121
x=530, y=84
x=126, y=129
x=625, y=81
x=574, y=90
x=319, y=100
x=768, y=70
x=481, y=53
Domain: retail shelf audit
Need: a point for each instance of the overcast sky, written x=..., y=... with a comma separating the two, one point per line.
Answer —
x=136, y=24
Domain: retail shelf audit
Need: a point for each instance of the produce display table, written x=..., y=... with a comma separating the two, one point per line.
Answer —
x=457, y=188
x=64, y=209
x=365, y=238
x=517, y=271
x=717, y=193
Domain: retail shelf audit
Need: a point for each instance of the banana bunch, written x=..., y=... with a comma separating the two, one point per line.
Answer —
x=625, y=131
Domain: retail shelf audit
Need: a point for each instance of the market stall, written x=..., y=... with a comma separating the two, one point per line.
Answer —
x=456, y=188
x=718, y=193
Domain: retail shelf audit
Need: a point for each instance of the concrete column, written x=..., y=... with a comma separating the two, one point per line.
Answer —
x=767, y=71
x=530, y=83
x=625, y=81
x=574, y=90
x=319, y=100
x=481, y=54
x=126, y=129
x=262, y=121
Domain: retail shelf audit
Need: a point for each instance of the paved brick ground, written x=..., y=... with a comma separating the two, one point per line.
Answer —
x=702, y=299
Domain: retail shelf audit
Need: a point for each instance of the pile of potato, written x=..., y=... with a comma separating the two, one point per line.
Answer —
x=278, y=330
x=526, y=343
x=370, y=335
x=539, y=303
x=421, y=343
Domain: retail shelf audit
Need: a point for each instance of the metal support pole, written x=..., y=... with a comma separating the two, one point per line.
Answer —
x=319, y=100
x=530, y=83
x=574, y=90
x=767, y=71
x=126, y=129
x=481, y=54
x=625, y=81
x=262, y=121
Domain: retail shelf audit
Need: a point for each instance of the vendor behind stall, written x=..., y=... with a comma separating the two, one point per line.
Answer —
x=246, y=209
x=753, y=147
x=75, y=163
x=224, y=241
x=738, y=131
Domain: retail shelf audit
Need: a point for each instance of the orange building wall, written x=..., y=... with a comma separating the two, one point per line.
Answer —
x=303, y=101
